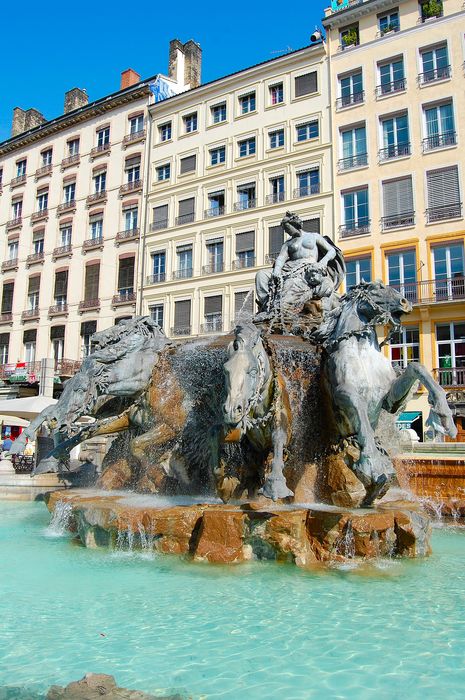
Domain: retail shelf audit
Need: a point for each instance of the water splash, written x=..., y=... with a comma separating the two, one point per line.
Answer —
x=346, y=542
x=146, y=541
x=60, y=520
x=125, y=540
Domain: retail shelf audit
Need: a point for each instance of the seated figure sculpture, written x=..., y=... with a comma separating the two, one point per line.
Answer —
x=308, y=268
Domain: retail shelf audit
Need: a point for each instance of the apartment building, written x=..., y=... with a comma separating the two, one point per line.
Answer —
x=397, y=96
x=226, y=160
x=70, y=208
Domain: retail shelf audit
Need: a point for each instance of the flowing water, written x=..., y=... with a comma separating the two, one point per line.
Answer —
x=259, y=631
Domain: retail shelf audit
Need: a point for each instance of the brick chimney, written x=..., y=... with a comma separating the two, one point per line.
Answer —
x=74, y=99
x=129, y=77
x=185, y=63
x=25, y=119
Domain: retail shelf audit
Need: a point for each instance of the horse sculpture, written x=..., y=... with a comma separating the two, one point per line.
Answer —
x=361, y=381
x=256, y=410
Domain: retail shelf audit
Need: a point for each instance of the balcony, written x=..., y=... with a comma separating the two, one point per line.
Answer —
x=355, y=98
x=245, y=204
x=130, y=234
x=398, y=150
x=439, y=291
x=14, y=223
x=70, y=160
x=449, y=211
x=213, y=268
x=135, y=186
x=30, y=314
x=181, y=330
x=97, y=151
x=66, y=206
x=134, y=137
x=431, y=143
x=124, y=296
x=35, y=258
x=357, y=161
x=275, y=198
x=43, y=171
x=243, y=263
x=58, y=309
x=89, y=305
x=6, y=317
x=61, y=251
x=354, y=229
x=391, y=88
x=398, y=220
x=67, y=368
x=185, y=219
x=434, y=75
x=185, y=274
x=157, y=278
x=39, y=215
x=97, y=197
x=159, y=225
x=214, y=211
x=16, y=181
x=450, y=376
x=11, y=264
x=306, y=191
x=92, y=243
x=21, y=372
x=215, y=325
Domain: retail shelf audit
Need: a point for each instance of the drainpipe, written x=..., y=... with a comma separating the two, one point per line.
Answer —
x=145, y=196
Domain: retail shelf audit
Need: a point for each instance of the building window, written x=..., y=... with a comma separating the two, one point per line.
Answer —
x=440, y=127
x=351, y=89
x=100, y=182
x=33, y=293
x=306, y=84
x=276, y=138
x=29, y=344
x=443, y=194
x=87, y=331
x=216, y=204
x=190, y=123
x=164, y=131
x=38, y=243
x=214, y=257
x=449, y=271
x=91, y=283
x=57, y=337
x=355, y=211
x=184, y=261
x=218, y=155
x=247, y=103
x=163, y=172
x=126, y=277
x=277, y=193
x=246, y=147
x=46, y=157
x=42, y=201
x=354, y=148
x=402, y=273
x=246, y=196
x=245, y=250
x=4, y=345
x=69, y=193
x=405, y=346
x=12, y=250
x=132, y=169
x=435, y=64
x=213, y=314
x=21, y=168
x=391, y=77
x=17, y=209
x=389, y=22
x=7, y=297
x=396, y=137
x=136, y=124
x=308, y=183
x=131, y=218
x=160, y=217
x=103, y=137
x=188, y=164
x=157, y=314
x=159, y=266
x=276, y=94
x=96, y=228
x=218, y=113
x=73, y=147
x=358, y=270
x=450, y=342
x=350, y=36
x=61, y=288
x=398, y=203
x=186, y=211
x=65, y=235
x=309, y=130
x=182, y=317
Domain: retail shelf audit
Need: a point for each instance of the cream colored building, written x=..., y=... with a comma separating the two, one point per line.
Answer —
x=398, y=99
x=226, y=161
x=70, y=209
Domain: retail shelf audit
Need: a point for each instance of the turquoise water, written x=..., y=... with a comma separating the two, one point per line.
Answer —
x=258, y=631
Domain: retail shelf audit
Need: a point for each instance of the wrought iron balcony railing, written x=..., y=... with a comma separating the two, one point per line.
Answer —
x=58, y=309
x=98, y=150
x=93, y=243
x=245, y=204
x=29, y=314
x=135, y=136
x=70, y=160
x=214, y=211
x=14, y=223
x=88, y=304
x=134, y=186
x=20, y=180
x=181, y=330
x=44, y=170
x=354, y=228
x=39, y=215
x=158, y=277
x=213, y=268
x=124, y=296
x=450, y=289
x=355, y=98
x=159, y=225
x=66, y=206
x=307, y=190
x=61, y=251
x=433, y=75
x=390, y=88
x=357, y=161
x=275, y=198
x=448, y=211
x=6, y=317
x=183, y=274
x=67, y=368
x=398, y=220
x=243, y=263
x=450, y=376
x=213, y=326
x=128, y=235
x=449, y=138
x=10, y=264
x=397, y=150
x=35, y=258
x=185, y=219
x=97, y=197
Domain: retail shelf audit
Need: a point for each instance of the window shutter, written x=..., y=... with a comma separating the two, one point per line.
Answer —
x=88, y=328
x=160, y=214
x=276, y=239
x=398, y=196
x=188, y=164
x=4, y=339
x=34, y=284
x=61, y=283
x=443, y=187
x=239, y=301
x=126, y=273
x=92, y=281
x=182, y=314
x=38, y=235
x=184, y=248
x=57, y=332
x=245, y=241
x=213, y=305
x=186, y=206
x=30, y=335
x=311, y=225
x=133, y=161
x=7, y=297
x=305, y=84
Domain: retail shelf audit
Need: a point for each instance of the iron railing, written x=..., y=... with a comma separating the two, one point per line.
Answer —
x=97, y=150
x=62, y=250
x=159, y=225
x=155, y=279
x=66, y=206
x=276, y=197
x=395, y=151
x=124, y=296
x=213, y=326
x=245, y=204
x=134, y=186
x=44, y=170
x=6, y=317
x=97, y=197
x=29, y=314
x=185, y=218
x=389, y=88
x=243, y=263
x=70, y=160
x=307, y=190
x=10, y=264
x=58, y=309
x=38, y=215
x=213, y=268
x=449, y=289
x=354, y=229
x=128, y=234
x=449, y=138
x=35, y=258
x=13, y=223
x=214, y=211
x=92, y=243
x=431, y=76
x=450, y=376
x=183, y=274
x=448, y=211
x=67, y=368
x=398, y=220
x=181, y=330
x=18, y=180
x=355, y=98
x=135, y=136
x=350, y=162
x=26, y=369
x=87, y=304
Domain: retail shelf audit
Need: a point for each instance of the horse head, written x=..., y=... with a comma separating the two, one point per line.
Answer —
x=246, y=373
x=375, y=300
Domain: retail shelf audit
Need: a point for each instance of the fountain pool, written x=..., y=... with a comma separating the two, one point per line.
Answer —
x=257, y=631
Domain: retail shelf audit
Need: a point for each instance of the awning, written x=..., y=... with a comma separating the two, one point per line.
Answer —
x=13, y=421
x=404, y=420
x=27, y=408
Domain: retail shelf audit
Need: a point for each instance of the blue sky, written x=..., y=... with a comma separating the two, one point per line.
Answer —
x=50, y=48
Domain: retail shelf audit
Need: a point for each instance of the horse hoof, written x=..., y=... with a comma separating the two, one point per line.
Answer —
x=275, y=489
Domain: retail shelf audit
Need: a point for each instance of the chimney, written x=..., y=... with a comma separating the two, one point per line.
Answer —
x=74, y=99
x=129, y=77
x=185, y=63
x=25, y=119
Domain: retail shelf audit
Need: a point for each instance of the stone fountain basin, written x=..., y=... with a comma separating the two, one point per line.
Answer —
x=302, y=534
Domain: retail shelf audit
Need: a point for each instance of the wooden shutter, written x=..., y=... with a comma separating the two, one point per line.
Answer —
x=61, y=283
x=182, y=314
x=92, y=282
x=213, y=305
x=245, y=241
x=88, y=328
x=57, y=332
x=398, y=196
x=38, y=235
x=132, y=161
x=7, y=297
x=160, y=214
x=34, y=284
x=311, y=225
x=306, y=84
x=276, y=239
x=443, y=187
x=4, y=339
x=239, y=299
x=188, y=164
x=30, y=335
x=186, y=206
x=184, y=248
x=126, y=273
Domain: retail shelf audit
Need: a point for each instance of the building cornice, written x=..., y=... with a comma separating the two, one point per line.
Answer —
x=357, y=9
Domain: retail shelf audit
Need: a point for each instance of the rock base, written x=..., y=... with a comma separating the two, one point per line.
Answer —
x=99, y=685
x=228, y=534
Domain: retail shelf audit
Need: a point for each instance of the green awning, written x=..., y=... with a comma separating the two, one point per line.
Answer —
x=408, y=416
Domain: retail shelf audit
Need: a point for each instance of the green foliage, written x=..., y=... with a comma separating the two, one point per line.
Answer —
x=431, y=8
x=350, y=38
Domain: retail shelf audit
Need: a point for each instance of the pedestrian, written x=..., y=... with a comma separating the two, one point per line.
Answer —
x=7, y=443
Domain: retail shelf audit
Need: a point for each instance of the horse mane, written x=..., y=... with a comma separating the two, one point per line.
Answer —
x=348, y=300
x=246, y=335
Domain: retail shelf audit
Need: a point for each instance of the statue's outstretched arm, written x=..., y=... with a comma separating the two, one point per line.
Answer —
x=282, y=258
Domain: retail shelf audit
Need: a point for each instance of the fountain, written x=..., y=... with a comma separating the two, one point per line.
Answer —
x=259, y=444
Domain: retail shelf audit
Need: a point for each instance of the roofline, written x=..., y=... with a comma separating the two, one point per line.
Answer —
x=359, y=8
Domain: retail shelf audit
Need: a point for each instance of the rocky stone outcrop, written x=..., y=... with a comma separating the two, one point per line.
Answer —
x=95, y=686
